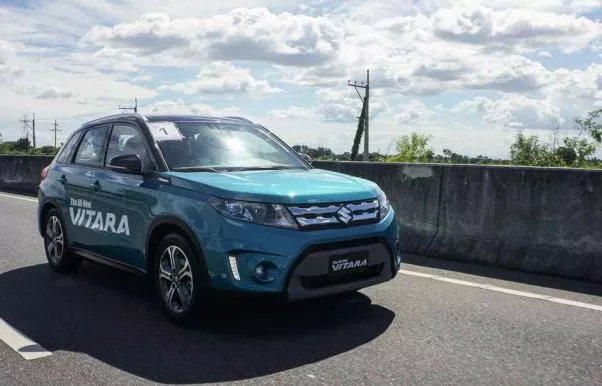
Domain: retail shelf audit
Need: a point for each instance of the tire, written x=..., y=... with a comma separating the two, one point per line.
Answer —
x=55, y=244
x=180, y=291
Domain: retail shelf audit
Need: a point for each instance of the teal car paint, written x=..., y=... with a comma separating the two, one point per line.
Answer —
x=207, y=203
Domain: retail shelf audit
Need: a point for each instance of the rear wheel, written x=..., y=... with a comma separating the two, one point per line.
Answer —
x=178, y=279
x=55, y=245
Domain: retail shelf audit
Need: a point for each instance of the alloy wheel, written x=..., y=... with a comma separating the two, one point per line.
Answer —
x=175, y=279
x=55, y=241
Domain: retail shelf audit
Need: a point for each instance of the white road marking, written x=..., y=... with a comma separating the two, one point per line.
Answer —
x=24, y=346
x=502, y=290
x=19, y=198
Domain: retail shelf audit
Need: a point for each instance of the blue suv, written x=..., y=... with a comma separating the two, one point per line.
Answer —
x=203, y=203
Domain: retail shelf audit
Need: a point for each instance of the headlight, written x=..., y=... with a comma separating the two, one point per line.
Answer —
x=265, y=214
x=384, y=205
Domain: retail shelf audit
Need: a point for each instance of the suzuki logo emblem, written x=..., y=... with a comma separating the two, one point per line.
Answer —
x=345, y=215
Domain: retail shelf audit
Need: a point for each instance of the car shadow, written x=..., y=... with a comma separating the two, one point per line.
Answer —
x=112, y=316
x=536, y=279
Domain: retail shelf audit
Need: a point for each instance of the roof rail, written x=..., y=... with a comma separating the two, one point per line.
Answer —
x=240, y=119
x=114, y=116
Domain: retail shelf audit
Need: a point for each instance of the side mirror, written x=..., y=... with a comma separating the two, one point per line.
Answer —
x=127, y=163
x=306, y=157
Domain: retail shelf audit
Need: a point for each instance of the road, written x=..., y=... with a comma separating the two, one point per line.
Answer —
x=437, y=323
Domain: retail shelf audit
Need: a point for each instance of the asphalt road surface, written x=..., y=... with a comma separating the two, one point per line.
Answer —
x=437, y=323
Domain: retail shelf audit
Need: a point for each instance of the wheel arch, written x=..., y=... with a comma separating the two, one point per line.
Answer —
x=160, y=228
x=45, y=207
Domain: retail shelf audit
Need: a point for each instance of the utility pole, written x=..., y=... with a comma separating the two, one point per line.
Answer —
x=55, y=130
x=33, y=126
x=25, y=121
x=134, y=107
x=365, y=110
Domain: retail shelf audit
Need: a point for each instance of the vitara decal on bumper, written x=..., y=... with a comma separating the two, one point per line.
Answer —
x=82, y=215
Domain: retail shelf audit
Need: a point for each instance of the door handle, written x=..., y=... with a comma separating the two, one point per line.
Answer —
x=63, y=179
x=95, y=185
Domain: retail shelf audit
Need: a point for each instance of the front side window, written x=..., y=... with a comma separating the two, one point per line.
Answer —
x=126, y=140
x=223, y=146
x=91, y=147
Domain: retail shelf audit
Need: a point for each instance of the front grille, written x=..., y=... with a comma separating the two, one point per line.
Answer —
x=324, y=216
x=322, y=281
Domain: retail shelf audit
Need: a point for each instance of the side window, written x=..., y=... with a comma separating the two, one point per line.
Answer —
x=66, y=153
x=91, y=147
x=126, y=139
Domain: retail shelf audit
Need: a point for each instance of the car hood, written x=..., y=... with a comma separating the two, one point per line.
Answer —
x=279, y=186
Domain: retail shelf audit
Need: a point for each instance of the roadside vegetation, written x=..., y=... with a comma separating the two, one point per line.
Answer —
x=22, y=146
x=526, y=150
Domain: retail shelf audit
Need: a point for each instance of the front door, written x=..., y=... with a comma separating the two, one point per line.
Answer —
x=125, y=199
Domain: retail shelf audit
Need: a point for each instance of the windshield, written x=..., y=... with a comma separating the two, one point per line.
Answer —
x=211, y=146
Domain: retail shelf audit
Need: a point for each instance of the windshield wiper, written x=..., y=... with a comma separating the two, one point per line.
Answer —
x=268, y=167
x=197, y=169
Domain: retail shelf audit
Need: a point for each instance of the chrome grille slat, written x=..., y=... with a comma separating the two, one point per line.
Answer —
x=365, y=216
x=299, y=211
x=316, y=216
x=317, y=221
x=363, y=206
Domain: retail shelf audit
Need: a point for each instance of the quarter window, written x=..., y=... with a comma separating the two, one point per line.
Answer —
x=66, y=153
x=91, y=147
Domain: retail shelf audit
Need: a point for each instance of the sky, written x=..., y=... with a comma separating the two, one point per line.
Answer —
x=470, y=73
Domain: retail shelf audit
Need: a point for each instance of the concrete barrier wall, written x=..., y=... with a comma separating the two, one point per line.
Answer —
x=532, y=219
x=541, y=220
x=21, y=173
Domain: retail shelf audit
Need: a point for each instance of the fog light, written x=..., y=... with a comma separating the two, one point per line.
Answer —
x=234, y=267
x=262, y=272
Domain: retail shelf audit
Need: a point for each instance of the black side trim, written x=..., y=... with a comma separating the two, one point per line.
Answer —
x=107, y=261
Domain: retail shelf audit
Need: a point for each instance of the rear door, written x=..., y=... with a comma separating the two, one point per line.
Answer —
x=81, y=210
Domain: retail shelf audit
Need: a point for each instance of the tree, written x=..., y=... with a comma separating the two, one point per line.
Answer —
x=529, y=151
x=359, y=132
x=22, y=144
x=576, y=151
x=413, y=148
x=591, y=124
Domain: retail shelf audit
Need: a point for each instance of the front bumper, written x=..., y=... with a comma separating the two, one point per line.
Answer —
x=297, y=262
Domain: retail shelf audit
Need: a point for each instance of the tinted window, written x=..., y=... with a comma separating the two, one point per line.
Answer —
x=66, y=152
x=126, y=139
x=198, y=145
x=91, y=146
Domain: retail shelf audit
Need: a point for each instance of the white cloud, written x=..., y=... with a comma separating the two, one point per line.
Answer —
x=243, y=34
x=544, y=54
x=514, y=111
x=221, y=77
x=54, y=93
x=178, y=106
x=412, y=112
x=291, y=112
x=514, y=29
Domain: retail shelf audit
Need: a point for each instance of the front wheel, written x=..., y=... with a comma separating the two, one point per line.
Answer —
x=55, y=245
x=177, y=279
